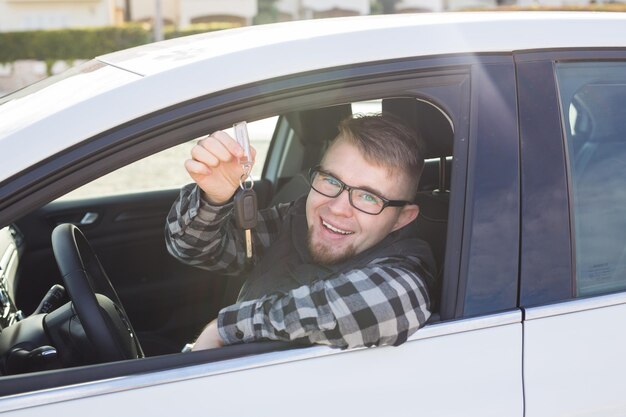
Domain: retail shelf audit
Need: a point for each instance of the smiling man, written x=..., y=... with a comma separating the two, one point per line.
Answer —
x=340, y=266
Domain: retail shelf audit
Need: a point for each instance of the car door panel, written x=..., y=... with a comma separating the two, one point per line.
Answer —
x=574, y=358
x=109, y=229
x=468, y=367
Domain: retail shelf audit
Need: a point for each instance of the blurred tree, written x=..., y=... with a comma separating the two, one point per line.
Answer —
x=383, y=6
x=268, y=13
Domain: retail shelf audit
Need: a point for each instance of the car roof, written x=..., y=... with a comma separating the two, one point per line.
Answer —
x=115, y=88
x=381, y=37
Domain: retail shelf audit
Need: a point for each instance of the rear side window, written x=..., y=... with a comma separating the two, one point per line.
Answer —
x=593, y=105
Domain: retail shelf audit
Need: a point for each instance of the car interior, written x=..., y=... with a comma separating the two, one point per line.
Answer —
x=169, y=303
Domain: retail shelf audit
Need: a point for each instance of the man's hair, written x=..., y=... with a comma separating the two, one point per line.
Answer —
x=386, y=141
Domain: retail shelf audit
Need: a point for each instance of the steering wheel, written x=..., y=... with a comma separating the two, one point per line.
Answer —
x=94, y=299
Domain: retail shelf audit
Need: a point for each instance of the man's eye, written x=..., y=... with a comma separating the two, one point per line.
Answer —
x=332, y=181
x=370, y=198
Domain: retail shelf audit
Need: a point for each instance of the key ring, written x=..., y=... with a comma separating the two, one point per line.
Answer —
x=243, y=180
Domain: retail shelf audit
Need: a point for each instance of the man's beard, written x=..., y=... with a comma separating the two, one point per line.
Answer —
x=324, y=255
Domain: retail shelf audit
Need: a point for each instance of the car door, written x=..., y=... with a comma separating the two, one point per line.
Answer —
x=572, y=107
x=467, y=361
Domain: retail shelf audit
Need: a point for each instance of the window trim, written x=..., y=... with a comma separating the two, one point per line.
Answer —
x=574, y=306
x=134, y=140
x=543, y=286
x=487, y=180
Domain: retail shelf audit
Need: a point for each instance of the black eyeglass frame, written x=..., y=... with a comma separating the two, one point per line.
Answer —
x=344, y=186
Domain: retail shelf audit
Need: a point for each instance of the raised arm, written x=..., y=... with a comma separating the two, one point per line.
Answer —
x=200, y=230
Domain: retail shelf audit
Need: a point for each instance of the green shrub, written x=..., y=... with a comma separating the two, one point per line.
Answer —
x=72, y=44
x=68, y=44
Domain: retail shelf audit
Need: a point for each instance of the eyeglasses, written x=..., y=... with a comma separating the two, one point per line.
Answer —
x=361, y=199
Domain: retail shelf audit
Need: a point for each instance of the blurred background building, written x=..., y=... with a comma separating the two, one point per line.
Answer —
x=317, y=9
x=20, y=15
x=181, y=13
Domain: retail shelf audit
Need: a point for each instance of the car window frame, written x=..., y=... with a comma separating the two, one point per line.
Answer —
x=489, y=263
x=539, y=102
x=155, y=132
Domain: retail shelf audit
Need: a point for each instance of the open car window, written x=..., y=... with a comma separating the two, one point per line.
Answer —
x=164, y=170
x=169, y=303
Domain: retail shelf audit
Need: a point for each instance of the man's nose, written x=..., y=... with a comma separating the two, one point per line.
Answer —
x=341, y=204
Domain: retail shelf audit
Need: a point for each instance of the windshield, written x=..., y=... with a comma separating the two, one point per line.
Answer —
x=39, y=100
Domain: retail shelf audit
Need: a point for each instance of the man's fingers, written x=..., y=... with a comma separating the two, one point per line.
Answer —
x=216, y=147
x=229, y=143
x=197, y=168
x=201, y=154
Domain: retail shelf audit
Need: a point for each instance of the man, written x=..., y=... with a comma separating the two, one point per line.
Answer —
x=339, y=266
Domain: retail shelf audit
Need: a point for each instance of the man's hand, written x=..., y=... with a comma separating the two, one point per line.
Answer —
x=209, y=338
x=215, y=166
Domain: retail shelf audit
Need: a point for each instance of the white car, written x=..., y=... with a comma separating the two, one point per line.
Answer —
x=522, y=201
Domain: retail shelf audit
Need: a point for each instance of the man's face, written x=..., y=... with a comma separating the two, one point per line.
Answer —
x=337, y=231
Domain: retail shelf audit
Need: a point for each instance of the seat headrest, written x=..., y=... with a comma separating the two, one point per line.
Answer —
x=427, y=120
x=318, y=126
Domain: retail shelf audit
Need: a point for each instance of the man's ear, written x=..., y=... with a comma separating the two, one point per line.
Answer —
x=407, y=215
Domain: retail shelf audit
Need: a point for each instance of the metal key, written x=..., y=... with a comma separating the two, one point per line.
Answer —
x=245, y=215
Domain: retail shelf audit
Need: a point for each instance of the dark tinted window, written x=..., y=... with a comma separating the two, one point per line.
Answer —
x=593, y=104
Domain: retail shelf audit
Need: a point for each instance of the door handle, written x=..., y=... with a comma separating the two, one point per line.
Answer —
x=89, y=218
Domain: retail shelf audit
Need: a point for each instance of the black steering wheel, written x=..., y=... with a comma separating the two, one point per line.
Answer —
x=94, y=299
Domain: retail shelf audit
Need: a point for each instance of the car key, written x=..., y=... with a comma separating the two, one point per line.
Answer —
x=245, y=200
x=246, y=215
x=243, y=139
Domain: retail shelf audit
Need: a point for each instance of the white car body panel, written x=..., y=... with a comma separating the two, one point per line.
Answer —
x=486, y=366
x=222, y=60
x=475, y=362
x=574, y=358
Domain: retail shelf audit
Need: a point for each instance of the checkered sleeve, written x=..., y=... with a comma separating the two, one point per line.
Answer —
x=205, y=235
x=382, y=304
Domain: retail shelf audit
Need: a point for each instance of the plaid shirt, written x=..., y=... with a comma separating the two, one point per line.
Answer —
x=380, y=304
